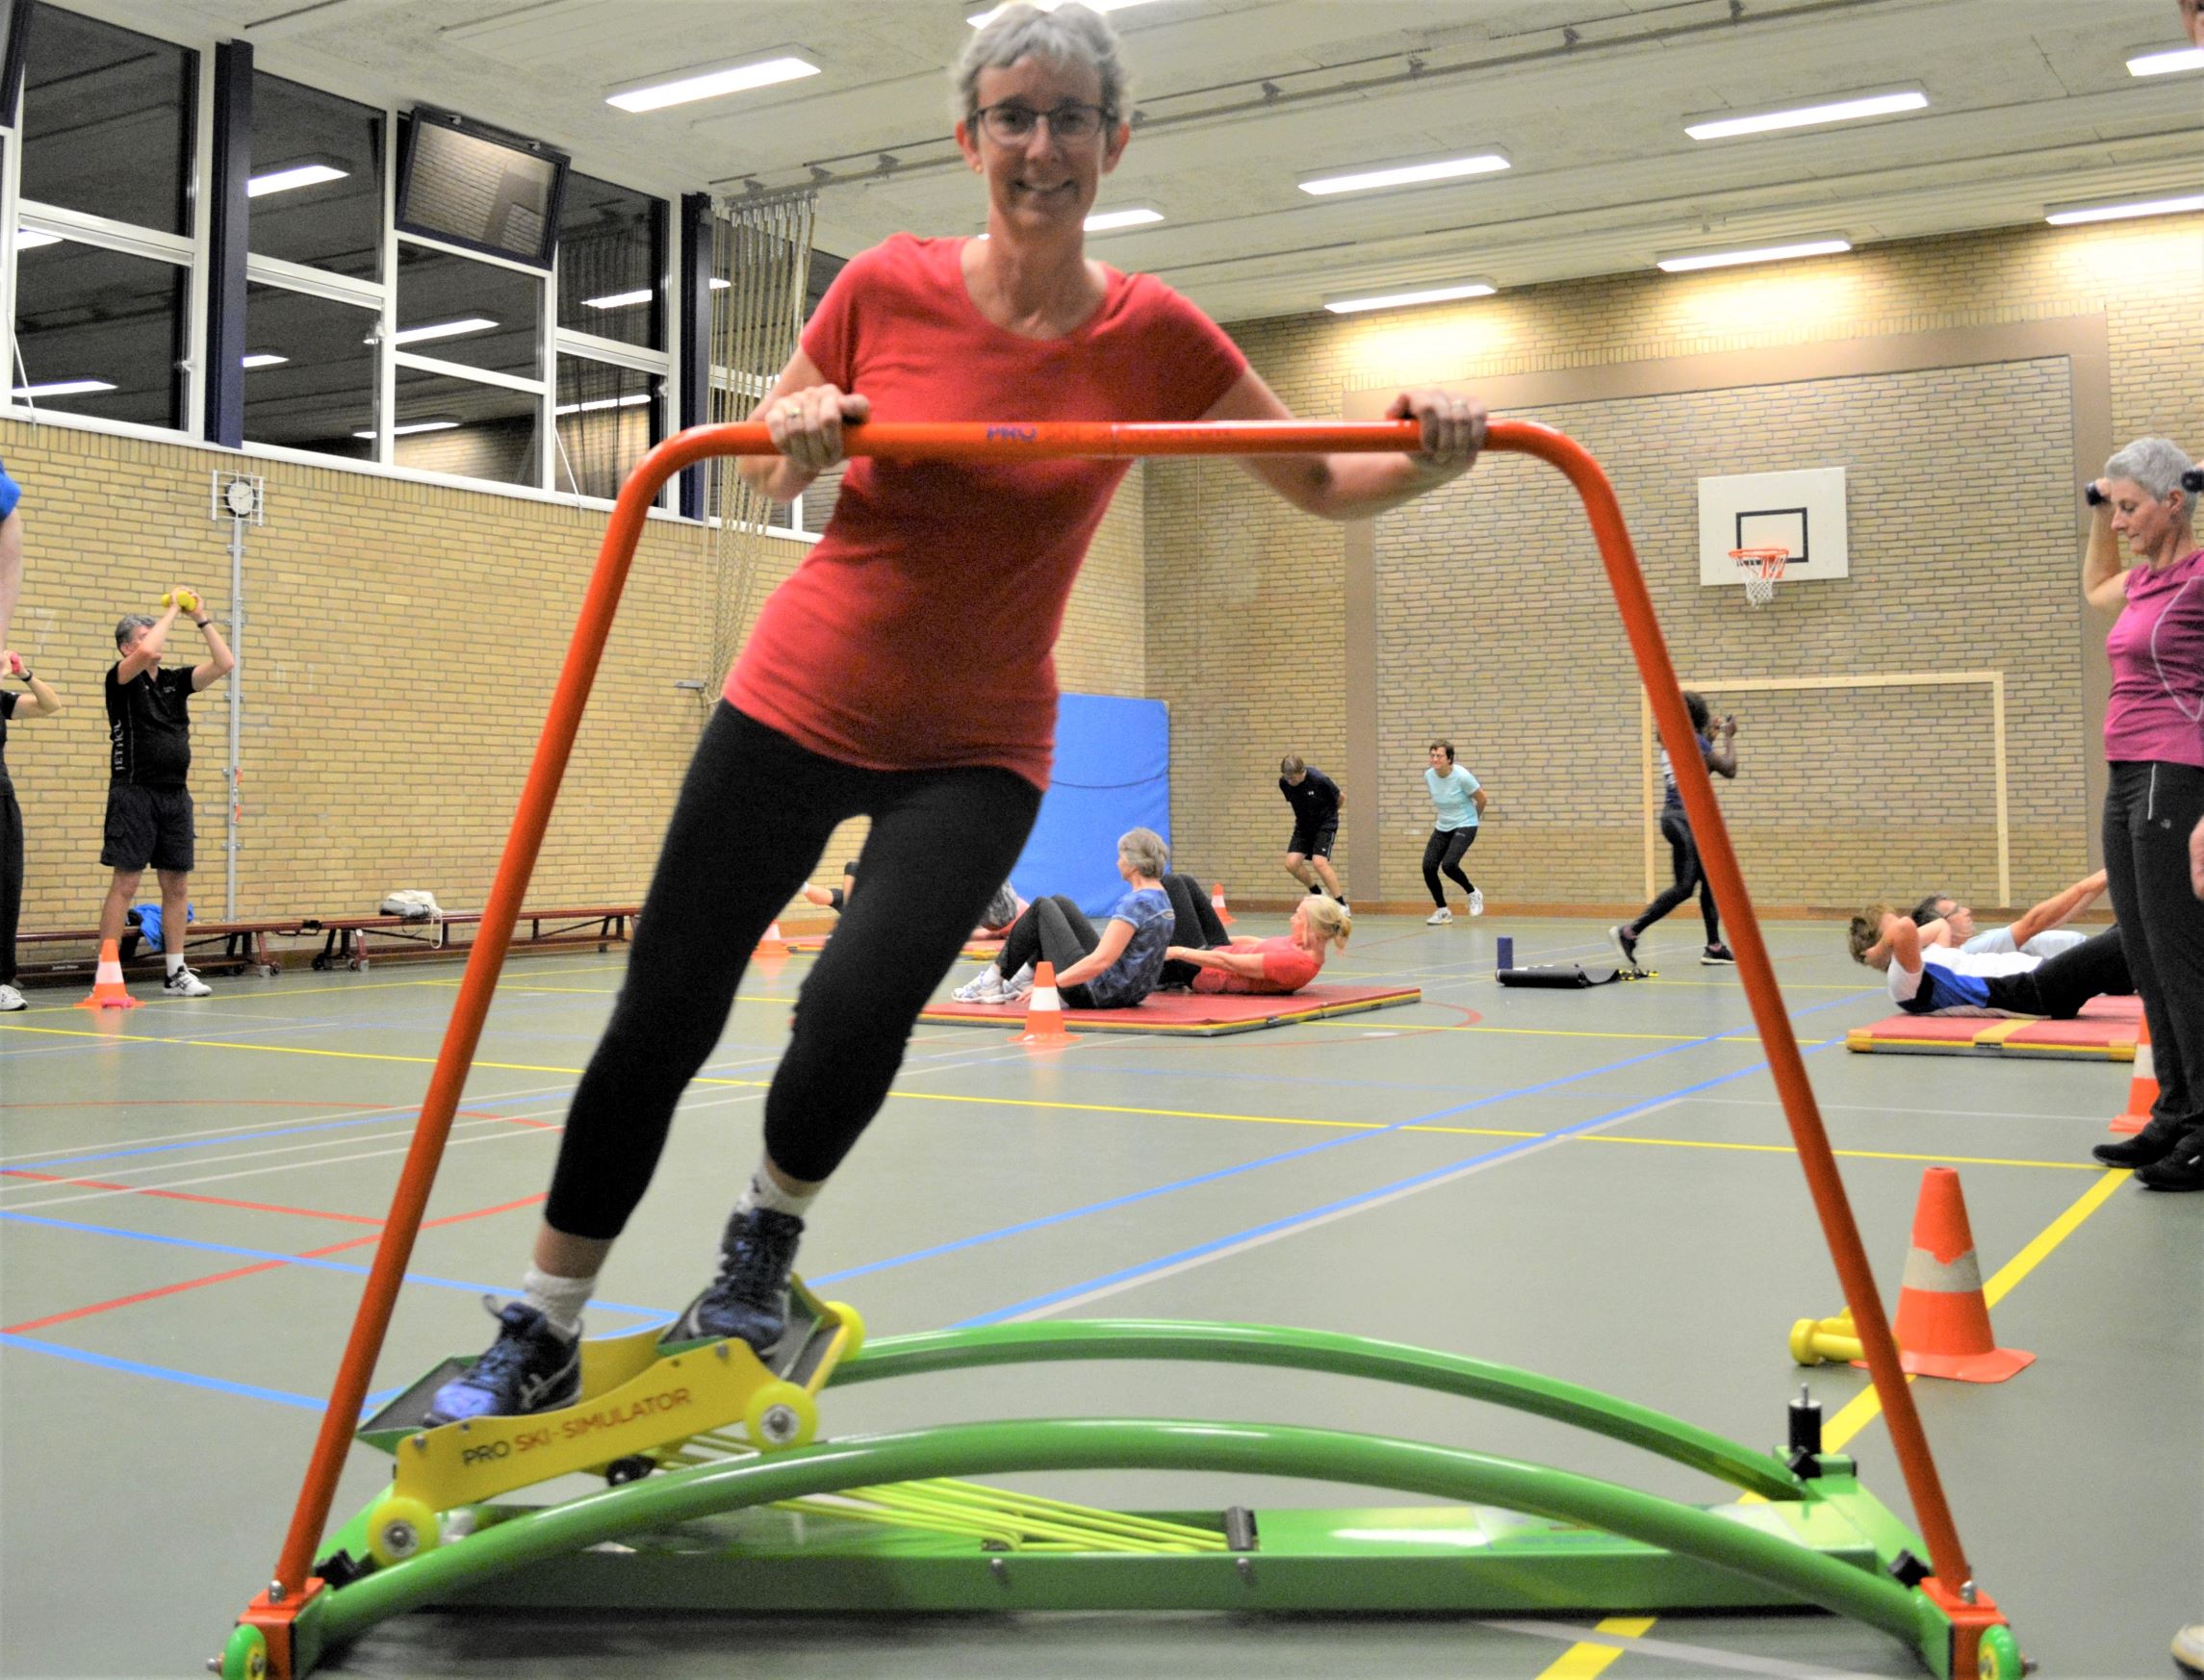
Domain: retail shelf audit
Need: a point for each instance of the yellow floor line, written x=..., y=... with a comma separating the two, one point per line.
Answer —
x=1866, y=1405
x=1585, y=1661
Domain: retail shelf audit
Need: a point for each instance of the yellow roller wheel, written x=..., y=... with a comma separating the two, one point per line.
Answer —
x=780, y=1416
x=1998, y=1656
x=399, y=1528
x=852, y=1325
x=1803, y=1350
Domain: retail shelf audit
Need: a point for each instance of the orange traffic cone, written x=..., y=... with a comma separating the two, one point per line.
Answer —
x=1942, y=1325
x=108, y=991
x=772, y=947
x=2142, y=1089
x=1217, y=903
x=1044, y=1013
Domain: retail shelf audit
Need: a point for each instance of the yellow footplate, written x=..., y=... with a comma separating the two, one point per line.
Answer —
x=638, y=1401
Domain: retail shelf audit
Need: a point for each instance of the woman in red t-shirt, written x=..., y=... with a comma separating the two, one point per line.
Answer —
x=903, y=674
x=1270, y=966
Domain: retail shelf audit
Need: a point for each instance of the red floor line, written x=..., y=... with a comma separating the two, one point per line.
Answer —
x=29, y=1325
x=187, y=1196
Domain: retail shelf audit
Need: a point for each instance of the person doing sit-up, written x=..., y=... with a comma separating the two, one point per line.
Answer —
x=2038, y=933
x=1109, y=967
x=1267, y=967
x=1927, y=978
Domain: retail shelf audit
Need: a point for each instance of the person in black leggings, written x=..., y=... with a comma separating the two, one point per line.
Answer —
x=1109, y=968
x=1720, y=755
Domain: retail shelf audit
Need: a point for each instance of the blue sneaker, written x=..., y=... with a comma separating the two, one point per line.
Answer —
x=749, y=1299
x=530, y=1367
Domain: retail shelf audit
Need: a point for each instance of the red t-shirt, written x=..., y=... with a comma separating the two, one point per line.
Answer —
x=919, y=634
x=1286, y=968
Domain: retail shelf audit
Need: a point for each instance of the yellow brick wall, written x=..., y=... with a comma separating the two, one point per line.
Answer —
x=1495, y=627
x=401, y=645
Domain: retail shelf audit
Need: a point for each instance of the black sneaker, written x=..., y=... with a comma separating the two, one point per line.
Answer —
x=2182, y=1169
x=1717, y=953
x=749, y=1299
x=530, y=1367
x=1626, y=943
x=2145, y=1148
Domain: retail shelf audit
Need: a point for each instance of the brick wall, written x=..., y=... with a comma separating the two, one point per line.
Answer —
x=1494, y=625
x=401, y=646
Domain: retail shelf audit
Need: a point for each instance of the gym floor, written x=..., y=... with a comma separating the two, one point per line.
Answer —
x=1595, y=1185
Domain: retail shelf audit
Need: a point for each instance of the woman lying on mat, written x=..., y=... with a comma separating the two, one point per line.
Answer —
x=1003, y=909
x=1112, y=969
x=1268, y=966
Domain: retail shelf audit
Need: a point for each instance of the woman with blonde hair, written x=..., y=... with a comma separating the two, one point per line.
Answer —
x=1285, y=963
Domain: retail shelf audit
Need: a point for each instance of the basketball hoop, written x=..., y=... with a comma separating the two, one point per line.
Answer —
x=1761, y=568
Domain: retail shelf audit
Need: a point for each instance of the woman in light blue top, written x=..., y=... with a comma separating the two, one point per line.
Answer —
x=1458, y=805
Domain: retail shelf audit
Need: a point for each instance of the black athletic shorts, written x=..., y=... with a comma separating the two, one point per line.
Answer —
x=147, y=825
x=1314, y=844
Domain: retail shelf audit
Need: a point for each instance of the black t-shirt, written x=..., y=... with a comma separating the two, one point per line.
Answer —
x=1314, y=801
x=9, y=701
x=148, y=733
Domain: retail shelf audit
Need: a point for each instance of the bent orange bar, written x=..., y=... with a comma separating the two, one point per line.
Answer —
x=1009, y=441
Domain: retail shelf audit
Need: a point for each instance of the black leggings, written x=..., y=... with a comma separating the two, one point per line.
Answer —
x=1690, y=878
x=1053, y=930
x=11, y=878
x=2060, y=985
x=1194, y=925
x=754, y=816
x=2150, y=811
x=1443, y=852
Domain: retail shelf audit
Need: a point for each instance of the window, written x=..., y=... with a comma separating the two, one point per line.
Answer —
x=310, y=373
x=466, y=427
x=107, y=119
x=611, y=263
x=100, y=332
x=317, y=178
x=609, y=418
x=479, y=315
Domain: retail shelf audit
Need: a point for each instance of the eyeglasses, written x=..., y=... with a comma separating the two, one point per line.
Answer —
x=1012, y=122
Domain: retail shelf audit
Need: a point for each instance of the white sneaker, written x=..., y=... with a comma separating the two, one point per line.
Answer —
x=1439, y=917
x=183, y=983
x=1019, y=986
x=1477, y=900
x=984, y=987
x=12, y=999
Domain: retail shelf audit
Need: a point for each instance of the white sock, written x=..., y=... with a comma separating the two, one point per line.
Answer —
x=560, y=1300
x=764, y=1192
x=173, y=959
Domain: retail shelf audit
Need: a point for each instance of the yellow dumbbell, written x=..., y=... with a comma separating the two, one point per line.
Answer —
x=1816, y=1341
x=181, y=597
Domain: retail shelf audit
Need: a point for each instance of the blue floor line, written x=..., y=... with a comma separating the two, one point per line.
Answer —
x=189, y=1379
x=1164, y=1262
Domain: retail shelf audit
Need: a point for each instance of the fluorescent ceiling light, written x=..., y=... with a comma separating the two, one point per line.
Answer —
x=30, y=238
x=1107, y=220
x=619, y=299
x=1805, y=115
x=266, y=359
x=2121, y=212
x=2165, y=64
x=633, y=399
x=712, y=84
x=406, y=430
x=1405, y=174
x=286, y=180
x=443, y=329
x=1764, y=254
x=64, y=387
x=719, y=284
x=979, y=19
x=1401, y=299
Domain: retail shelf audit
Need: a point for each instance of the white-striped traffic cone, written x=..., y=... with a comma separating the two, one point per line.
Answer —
x=1942, y=1326
x=1044, y=1013
x=108, y=991
x=2142, y=1089
x=1216, y=902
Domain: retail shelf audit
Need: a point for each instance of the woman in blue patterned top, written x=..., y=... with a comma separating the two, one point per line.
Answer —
x=1109, y=967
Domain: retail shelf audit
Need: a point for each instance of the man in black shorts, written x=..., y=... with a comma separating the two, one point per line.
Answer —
x=148, y=806
x=1315, y=799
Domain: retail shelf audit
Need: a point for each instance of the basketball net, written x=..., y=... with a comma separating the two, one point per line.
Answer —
x=1761, y=568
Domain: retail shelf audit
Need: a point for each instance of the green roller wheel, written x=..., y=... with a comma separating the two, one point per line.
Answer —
x=1998, y=1656
x=245, y=1656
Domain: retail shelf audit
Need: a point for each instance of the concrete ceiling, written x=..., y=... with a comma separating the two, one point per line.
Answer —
x=2029, y=105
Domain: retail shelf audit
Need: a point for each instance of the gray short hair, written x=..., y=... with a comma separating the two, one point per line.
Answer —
x=130, y=621
x=2156, y=464
x=1145, y=850
x=1070, y=34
